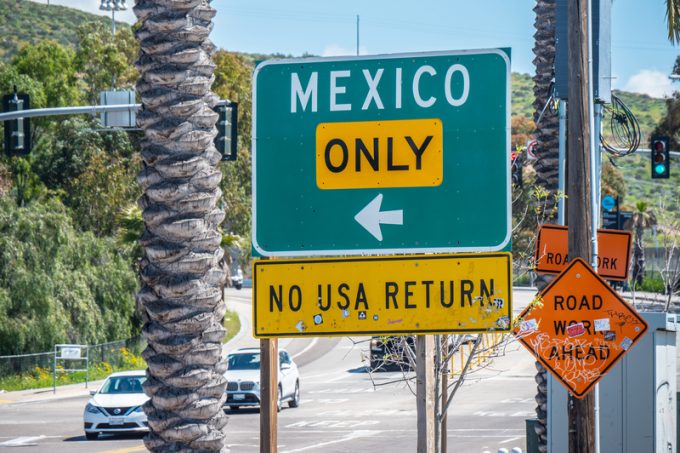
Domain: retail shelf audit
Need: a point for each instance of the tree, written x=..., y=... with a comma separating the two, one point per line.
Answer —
x=233, y=77
x=237, y=193
x=27, y=186
x=107, y=184
x=642, y=219
x=58, y=285
x=233, y=81
x=668, y=226
x=92, y=171
x=670, y=124
x=101, y=59
x=547, y=153
x=11, y=78
x=181, y=298
x=673, y=20
x=52, y=65
x=613, y=182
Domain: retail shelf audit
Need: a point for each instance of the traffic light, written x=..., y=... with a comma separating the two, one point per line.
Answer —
x=17, y=132
x=661, y=159
x=516, y=168
x=226, y=140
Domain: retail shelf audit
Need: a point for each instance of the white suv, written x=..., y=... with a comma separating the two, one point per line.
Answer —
x=243, y=379
x=237, y=279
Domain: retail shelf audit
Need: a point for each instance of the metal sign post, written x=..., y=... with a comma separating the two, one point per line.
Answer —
x=269, y=360
x=70, y=352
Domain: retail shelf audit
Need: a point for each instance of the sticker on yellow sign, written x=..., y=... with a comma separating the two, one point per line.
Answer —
x=377, y=154
x=382, y=295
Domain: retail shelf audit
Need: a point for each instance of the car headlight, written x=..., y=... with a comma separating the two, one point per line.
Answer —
x=139, y=409
x=92, y=409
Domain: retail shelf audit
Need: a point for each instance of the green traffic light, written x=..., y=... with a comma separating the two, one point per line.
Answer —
x=659, y=169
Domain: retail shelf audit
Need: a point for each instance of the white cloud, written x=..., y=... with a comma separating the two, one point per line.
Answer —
x=335, y=50
x=92, y=6
x=653, y=83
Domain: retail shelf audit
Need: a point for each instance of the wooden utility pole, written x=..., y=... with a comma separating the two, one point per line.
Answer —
x=581, y=411
x=269, y=363
x=425, y=392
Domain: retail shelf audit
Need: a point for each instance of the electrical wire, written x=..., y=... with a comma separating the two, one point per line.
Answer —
x=623, y=127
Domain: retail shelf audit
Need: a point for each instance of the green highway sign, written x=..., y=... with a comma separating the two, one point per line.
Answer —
x=384, y=154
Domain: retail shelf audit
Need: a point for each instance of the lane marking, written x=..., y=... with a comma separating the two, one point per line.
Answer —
x=512, y=439
x=126, y=450
x=347, y=424
x=352, y=436
x=309, y=346
x=24, y=441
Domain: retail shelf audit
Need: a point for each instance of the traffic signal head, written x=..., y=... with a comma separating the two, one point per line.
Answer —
x=17, y=132
x=660, y=159
x=516, y=168
x=226, y=139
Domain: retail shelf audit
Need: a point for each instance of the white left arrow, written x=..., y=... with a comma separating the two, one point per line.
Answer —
x=370, y=217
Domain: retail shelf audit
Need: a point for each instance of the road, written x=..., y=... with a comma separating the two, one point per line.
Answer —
x=344, y=408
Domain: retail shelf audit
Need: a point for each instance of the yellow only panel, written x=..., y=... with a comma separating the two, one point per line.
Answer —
x=374, y=154
x=382, y=295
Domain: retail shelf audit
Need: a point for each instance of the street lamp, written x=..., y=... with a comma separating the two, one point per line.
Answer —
x=113, y=6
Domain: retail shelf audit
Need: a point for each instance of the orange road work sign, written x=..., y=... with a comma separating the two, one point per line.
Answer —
x=581, y=328
x=613, y=250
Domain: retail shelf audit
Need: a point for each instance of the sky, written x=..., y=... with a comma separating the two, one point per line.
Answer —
x=642, y=57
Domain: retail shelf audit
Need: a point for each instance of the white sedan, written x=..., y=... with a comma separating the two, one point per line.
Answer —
x=117, y=406
x=243, y=379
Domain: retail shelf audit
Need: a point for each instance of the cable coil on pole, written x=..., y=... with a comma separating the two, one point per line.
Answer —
x=623, y=129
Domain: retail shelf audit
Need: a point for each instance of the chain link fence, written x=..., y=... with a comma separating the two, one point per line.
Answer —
x=114, y=353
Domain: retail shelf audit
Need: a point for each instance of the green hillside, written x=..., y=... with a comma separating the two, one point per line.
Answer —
x=640, y=186
x=647, y=110
x=23, y=21
x=522, y=95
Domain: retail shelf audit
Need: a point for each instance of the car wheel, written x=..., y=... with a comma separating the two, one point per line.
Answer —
x=91, y=436
x=234, y=408
x=237, y=286
x=278, y=400
x=295, y=402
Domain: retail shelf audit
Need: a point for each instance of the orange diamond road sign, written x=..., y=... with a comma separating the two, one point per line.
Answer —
x=581, y=329
x=613, y=250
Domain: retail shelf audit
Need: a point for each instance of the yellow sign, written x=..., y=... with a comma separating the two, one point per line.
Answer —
x=377, y=154
x=382, y=295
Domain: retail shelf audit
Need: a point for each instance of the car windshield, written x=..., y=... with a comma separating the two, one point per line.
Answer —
x=247, y=361
x=123, y=384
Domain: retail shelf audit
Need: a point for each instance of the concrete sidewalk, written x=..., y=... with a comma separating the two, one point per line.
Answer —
x=47, y=394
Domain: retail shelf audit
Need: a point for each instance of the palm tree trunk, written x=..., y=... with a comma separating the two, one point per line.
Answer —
x=180, y=299
x=546, y=165
x=547, y=129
